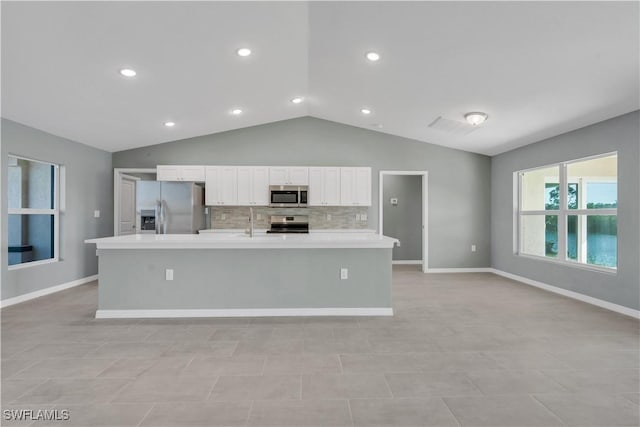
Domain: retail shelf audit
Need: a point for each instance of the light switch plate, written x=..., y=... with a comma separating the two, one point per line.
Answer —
x=344, y=273
x=168, y=274
x=363, y=217
x=96, y=214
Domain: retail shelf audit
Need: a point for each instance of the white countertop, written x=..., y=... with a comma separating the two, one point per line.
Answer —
x=260, y=240
x=314, y=230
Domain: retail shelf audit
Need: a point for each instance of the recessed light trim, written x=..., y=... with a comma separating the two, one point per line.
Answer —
x=128, y=72
x=236, y=111
x=365, y=111
x=372, y=56
x=476, y=118
x=169, y=124
x=297, y=100
x=243, y=51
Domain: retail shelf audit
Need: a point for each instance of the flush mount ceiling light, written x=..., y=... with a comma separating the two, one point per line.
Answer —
x=236, y=111
x=128, y=72
x=297, y=100
x=365, y=111
x=476, y=118
x=243, y=51
x=373, y=56
x=169, y=124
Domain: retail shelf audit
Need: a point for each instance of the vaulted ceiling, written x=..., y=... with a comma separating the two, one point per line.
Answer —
x=537, y=69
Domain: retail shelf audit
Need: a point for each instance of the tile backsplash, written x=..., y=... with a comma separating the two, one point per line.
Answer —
x=334, y=217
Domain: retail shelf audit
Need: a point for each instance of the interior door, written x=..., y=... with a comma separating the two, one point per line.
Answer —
x=127, y=206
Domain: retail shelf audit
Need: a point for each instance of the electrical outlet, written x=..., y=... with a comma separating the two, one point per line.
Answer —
x=96, y=214
x=363, y=216
x=206, y=211
x=168, y=274
x=473, y=248
x=328, y=217
x=357, y=217
x=258, y=216
x=223, y=217
x=344, y=273
x=398, y=244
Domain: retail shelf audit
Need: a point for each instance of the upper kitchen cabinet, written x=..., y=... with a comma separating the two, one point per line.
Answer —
x=355, y=186
x=180, y=173
x=283, y=175
x=324, y=186
x=253, y=186
x=221, y=185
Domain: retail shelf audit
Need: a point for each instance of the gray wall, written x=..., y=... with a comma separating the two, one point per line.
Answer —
x=89, y=186
x=459, y=193
x=620, y=134
x=404, y=220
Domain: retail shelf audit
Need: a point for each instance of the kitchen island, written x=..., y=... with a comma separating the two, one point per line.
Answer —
x=233, y=275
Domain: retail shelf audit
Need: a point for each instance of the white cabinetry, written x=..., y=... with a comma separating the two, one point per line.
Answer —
x=283, y=175
x=324, y=186
x=221, y=185
x=180, y=173
x=355, y=186
x=253, y=186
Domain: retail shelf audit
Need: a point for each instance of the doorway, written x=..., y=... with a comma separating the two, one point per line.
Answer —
x=125, y=219
x=403, y=215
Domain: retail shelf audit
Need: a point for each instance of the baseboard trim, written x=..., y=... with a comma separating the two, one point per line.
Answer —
x=460, y=270
x=571, y=294
x=243, y=312
x=407, y=262
x=46, y=291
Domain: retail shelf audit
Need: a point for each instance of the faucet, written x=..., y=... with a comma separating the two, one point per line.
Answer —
x=250, y=222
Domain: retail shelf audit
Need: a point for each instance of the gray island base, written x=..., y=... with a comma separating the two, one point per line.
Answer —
x=243, y=278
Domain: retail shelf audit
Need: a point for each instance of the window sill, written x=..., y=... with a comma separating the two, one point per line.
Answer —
x=588, y=267
x=32, y=264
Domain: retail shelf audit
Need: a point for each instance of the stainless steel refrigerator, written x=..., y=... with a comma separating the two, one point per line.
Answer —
x=169, y=207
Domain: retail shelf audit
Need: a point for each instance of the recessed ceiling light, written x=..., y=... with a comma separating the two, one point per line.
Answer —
x=365, y=111
x=243, y=51
x=476, y=118
x=373, y=56
x=169, y=124
x=297, y=100
x=236, y=111
x=128, y=72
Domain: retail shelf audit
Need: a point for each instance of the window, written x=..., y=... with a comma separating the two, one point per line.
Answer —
x=568, y=212
x=33, y=212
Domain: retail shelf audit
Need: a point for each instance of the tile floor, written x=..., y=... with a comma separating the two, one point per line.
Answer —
x=465, y=349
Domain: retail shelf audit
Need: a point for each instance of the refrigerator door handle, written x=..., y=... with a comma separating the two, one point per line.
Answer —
x=158, y=216
x=163, y=209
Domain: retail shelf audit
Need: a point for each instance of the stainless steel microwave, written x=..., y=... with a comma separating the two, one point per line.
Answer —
x=288, y=196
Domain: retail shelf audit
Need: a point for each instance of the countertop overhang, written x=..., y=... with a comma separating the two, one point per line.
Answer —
x=243, y=241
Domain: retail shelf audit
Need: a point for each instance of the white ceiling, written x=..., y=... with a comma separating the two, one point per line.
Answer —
x=537, y=68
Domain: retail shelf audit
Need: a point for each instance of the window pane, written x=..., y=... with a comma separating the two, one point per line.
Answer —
x=602, y=240
x=30, y=238
x=540, y=189
x=30, y=184
x=599, y=178
x=539, y=235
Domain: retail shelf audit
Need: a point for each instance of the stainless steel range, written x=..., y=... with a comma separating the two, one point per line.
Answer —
x=289, y=224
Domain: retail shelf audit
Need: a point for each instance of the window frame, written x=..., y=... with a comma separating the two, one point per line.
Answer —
x=37, y=211
x=562, y=213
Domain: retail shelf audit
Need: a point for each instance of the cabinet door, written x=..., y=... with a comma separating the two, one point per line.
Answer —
x=245, y=186
x=260, y=186
x=228, y=185
x=278, y=175
x=212, y=186
x=168, y=173
x=331, y=186
x=347, y=186
x=316, y=184
x=192, y=173
x=363, y=187
x=299, y=176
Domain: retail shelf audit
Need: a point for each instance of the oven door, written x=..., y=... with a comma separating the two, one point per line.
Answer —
x=285, y=198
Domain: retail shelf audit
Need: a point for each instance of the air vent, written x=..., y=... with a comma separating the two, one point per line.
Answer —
x=452, y=127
